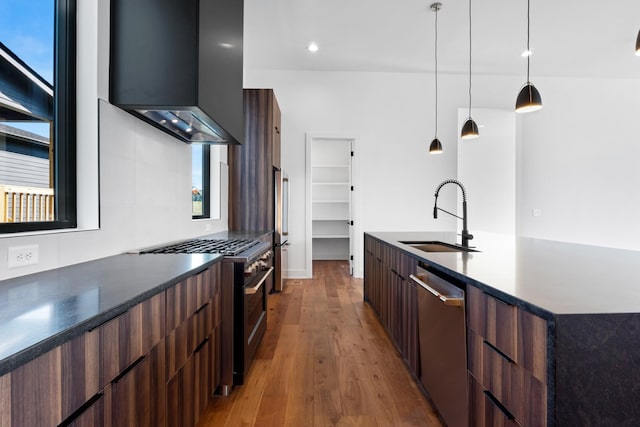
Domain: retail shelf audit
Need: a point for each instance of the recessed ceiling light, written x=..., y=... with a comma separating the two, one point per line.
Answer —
x=189, y=129
x=174, y=120
x=526, y=53
x=313, y=47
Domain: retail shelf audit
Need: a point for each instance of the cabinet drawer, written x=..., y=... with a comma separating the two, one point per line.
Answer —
x=532, y=344
x=513, y=386
x=494, y=320
x=181, y=302
x=485, y=411
x=33, y=392
x=130, y=335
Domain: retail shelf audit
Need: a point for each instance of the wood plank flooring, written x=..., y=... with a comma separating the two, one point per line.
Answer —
x=325, y=360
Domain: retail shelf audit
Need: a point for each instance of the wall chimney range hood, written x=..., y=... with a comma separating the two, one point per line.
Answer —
x=177, y=64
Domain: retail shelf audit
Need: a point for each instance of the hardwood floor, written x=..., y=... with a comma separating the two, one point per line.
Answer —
x=325, y=360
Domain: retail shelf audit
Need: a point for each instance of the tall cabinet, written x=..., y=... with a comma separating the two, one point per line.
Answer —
x=252, y=167
x=331, y=198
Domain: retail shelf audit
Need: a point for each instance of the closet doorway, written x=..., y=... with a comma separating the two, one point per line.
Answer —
x=330, y=194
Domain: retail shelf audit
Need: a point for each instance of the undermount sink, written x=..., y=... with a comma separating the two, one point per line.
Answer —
x=436, y=246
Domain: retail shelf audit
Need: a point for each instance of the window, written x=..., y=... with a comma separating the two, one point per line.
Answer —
x=37, y=115
x=201, y=179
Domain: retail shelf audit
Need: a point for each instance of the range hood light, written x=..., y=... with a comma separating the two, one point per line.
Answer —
x=185, y=124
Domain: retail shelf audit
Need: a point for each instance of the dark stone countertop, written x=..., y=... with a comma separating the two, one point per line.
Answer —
x=43, y=310
x=546, y=277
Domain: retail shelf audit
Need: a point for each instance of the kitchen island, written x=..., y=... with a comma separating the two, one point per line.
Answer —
x=580, y=303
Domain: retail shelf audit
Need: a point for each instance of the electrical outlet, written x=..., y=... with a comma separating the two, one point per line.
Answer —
x=19, y=256
x=536, y=212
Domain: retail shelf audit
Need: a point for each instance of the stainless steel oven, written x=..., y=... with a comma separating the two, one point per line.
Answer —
x=247, y=275
x=251, y=283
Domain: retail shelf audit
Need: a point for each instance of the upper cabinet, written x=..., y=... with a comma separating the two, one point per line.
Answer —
x=251, y=166
x=275, y=132
x=177, y=64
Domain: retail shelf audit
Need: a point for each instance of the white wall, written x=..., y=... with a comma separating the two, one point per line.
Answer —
x=575, y=160
x=145, y=175
x=487, y=169
x=579, y=159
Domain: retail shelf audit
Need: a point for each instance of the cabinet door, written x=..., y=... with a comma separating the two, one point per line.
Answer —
x=136, y=398
x=276, y=117
x=130, y=335
x=180, y=396
x=493, y=319
x=91, y=415
x=203, y=370
x=485, y=410
x=181, y=305
x=80, y=361
x=35, y=391
x=5, y=400
x=251, y=188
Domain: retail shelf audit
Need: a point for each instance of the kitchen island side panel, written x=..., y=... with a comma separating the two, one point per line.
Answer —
x=597, y=370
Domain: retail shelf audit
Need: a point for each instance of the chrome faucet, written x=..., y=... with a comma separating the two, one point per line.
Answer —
x=465, y=233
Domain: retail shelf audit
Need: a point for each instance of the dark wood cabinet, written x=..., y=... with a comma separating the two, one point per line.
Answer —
x=91, y=415
x=38, y=381
x=135, y=398
x=275, y=133
x=180, y=391
x=507, y=351
x=193, y=362
x=393, y=297
x=130, y=335
x=485, y=410
x=251, y=179
x=130, y=371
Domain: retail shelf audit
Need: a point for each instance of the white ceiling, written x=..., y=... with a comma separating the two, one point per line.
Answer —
x=585, y=38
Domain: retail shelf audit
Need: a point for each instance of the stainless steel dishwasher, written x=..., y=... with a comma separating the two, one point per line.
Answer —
x=443, y=350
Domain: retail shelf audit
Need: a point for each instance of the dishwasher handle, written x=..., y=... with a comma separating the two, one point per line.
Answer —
x=446, y=300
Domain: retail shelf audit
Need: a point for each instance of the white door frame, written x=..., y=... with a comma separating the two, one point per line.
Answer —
x=309, y=137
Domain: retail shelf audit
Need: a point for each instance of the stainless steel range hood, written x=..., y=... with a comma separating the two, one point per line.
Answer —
x=177, y=64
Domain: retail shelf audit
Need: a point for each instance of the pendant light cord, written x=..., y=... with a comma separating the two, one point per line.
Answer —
x=469, y=58
x=528, y=36
x=436, y=62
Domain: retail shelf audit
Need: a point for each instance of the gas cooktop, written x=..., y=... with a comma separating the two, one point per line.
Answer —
x=227, y=247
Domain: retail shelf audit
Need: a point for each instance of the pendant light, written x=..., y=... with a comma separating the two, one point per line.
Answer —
x=638, y=44
x=436, y=145
x=529, y=98
x=470, y=128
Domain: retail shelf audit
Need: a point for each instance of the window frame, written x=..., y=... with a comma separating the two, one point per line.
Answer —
x=64, y=127
x=206, y=184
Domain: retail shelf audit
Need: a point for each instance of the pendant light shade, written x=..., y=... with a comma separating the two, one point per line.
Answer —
x=529, y=98
x=470, y=128
x=638, y=44
x=436, y=145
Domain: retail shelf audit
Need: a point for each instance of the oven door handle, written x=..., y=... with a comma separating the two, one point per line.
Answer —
x=253, y=289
